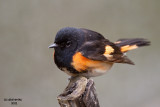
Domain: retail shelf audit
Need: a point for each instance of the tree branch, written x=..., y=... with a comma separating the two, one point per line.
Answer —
x=80, y=92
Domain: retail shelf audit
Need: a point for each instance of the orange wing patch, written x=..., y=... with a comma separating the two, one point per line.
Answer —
x=128, y=47
x=81, y=63
x=108, y=51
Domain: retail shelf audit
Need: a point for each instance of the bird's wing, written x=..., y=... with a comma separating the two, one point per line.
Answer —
x=102, y=50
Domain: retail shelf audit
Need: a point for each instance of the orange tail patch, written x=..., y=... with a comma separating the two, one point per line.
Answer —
x=128, y=47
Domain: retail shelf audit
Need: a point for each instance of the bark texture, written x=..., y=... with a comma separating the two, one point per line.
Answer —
x=80, y=92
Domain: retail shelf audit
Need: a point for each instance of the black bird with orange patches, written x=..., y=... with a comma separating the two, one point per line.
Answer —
x=80, y=51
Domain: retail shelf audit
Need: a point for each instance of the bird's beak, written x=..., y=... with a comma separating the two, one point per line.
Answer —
x=53, y=45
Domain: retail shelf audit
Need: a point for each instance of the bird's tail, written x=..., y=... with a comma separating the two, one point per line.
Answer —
x=130, y=44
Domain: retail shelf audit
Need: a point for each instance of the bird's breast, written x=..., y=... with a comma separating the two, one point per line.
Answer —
x=88, y=67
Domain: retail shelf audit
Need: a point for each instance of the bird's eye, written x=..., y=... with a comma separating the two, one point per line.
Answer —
x=68, y=43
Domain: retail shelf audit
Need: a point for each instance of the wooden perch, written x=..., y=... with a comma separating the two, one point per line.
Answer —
x=80, y=92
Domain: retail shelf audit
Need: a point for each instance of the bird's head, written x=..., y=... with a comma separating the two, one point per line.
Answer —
x=66, y=43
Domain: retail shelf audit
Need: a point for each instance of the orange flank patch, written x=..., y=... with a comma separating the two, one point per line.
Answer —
x=81, y=63
x=108, y=50
x=53, y=54
x=128, y=47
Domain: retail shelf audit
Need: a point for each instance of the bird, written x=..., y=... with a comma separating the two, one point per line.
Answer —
x=84, y=52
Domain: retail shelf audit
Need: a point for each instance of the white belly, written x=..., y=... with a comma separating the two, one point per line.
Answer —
x=97, y=71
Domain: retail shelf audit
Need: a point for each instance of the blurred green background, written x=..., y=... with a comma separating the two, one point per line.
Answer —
x=27, y=70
